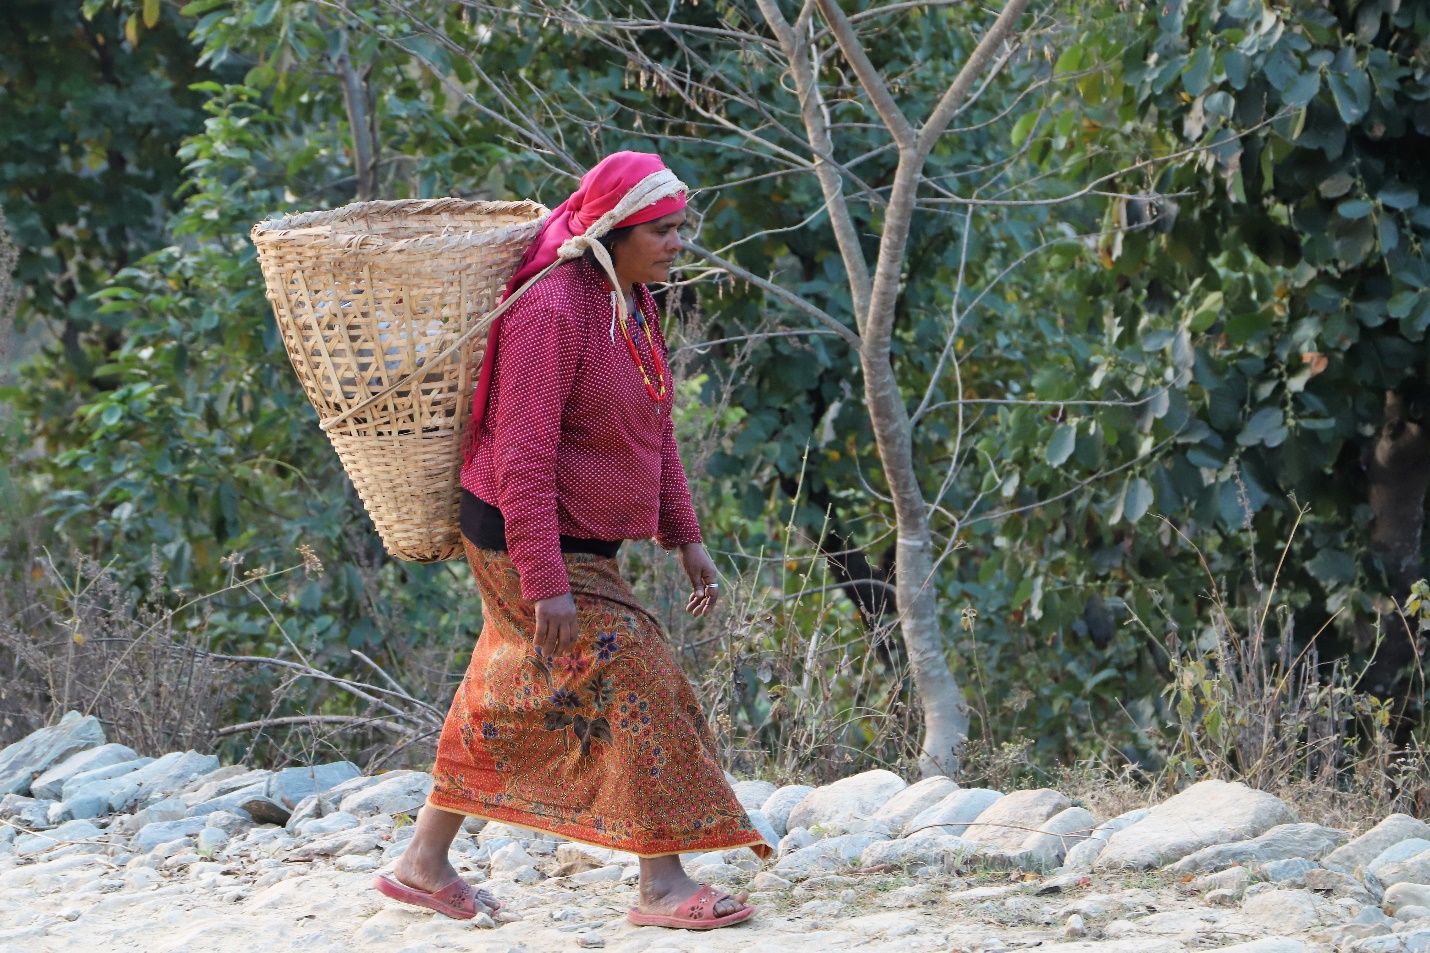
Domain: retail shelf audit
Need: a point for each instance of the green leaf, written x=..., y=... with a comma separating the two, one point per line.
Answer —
x=1398, y=198
x=1335, y=185
x=1331, y=567
x=1022, y=128
x=1139, y=500
x=1234, y=63
x=1351, y=92
x=1354, y=208
x=1402, y=303
x=151, y=13
x=1266, y=426
x=1199, y=71
x=1303, y=90
x=1220, y=104
x=1062, y=444
x=1247, y=325
x=112, y=415
x=1207, y=312
x=1069, y=61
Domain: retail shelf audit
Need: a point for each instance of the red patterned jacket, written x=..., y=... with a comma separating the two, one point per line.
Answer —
x=572, y=442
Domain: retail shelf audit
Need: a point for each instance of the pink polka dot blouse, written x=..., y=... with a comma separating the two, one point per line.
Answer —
x=572, y=442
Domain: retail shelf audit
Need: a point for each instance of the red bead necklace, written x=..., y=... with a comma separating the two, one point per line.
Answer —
x=660, y=370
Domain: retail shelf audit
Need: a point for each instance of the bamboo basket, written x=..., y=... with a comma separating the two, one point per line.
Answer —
x=384, y=309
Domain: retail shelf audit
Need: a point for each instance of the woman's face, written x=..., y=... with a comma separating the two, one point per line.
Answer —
x=648, y=251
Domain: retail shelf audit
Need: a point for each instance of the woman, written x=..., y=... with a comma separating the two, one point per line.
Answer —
x=574, y=718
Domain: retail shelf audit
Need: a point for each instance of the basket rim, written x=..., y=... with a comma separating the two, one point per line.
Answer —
x=326, y=226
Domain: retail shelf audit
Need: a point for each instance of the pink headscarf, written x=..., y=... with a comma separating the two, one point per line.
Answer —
x=601, y=190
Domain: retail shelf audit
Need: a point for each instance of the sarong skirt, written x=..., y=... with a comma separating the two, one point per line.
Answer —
x=606, y=746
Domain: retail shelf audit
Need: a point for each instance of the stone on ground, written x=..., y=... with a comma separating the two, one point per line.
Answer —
x=1207, y=813
x=161, y=832
x=945, y=851
x=37, y=752
x=752, y=794
x=1283, y=842
x=836, y=806
x=50, y=785
x=398, y=792
x=953, y=814
x=778, y=805
x=762, y=824
x=1082, y=856
x=1414, y=868
x=829, y=854
x=1293, y=911
x=914, y=800
x=1046, y=849
x=169, y=775
x=71, y=832
x=79, y=782
x=1389, y=832
x=1008, y=821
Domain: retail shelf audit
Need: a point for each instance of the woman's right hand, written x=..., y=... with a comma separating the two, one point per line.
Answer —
x=556, y=625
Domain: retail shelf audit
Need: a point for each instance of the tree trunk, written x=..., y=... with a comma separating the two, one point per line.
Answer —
x=1397, y=473
x=360, y=121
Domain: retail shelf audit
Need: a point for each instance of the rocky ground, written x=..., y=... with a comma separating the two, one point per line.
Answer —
x=103, y=851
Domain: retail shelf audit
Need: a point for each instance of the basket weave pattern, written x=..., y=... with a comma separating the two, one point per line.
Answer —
x=367, y=297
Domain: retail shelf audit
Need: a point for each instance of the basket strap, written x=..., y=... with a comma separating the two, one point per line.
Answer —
x=571, y=249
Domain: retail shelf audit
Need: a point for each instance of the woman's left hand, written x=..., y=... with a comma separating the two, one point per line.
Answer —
x=704, y=584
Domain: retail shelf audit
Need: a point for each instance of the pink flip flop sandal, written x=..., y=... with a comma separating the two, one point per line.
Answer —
x=697, y=913
x=457, y=900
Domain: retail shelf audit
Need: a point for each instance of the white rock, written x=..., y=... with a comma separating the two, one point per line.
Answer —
x=356, y=863
x=914, y=800
x=831, y=853
x=231, y=824
x=1057, y=835
x=330, y=824
x=752, y=795
x=1008, y=821
x=1292, y=911
x=796, y=839
x=1075, y=927
x=1207, y=813
x=1234, y=880
x=945, y=851
x=1283, y=842
x=152, y=835
x=859, y=797
x=1415, y=870
x=1397, y=852
x=169, y=774
x=1389, y=832
x=589, y=940
x=717, y=874
x=50, y=785
x=1082, y=856
x=510, y=858
x=211, y=840
x=75, y=783
x=762, y=824
x=779, y=804
x=399, y=792
x=609, y=874
x=69, y=833
x=1406, y=895
x=953, y=814
x=1270, y=945
x=766, y=880
x=41, y=750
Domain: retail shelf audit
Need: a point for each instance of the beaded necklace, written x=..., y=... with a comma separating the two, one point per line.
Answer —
x=660, y=369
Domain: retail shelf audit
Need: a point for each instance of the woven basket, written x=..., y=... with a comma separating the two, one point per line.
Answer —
x=384, y=307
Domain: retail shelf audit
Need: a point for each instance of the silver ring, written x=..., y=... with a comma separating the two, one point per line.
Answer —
x=712, y=585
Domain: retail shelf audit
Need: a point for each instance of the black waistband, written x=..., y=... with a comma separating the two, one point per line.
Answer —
x=484, y=525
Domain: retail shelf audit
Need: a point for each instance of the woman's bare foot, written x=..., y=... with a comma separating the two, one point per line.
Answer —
x=664, y=886
x=424, y=865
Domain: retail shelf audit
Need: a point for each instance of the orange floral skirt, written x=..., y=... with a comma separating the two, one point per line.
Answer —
x=606, y=746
